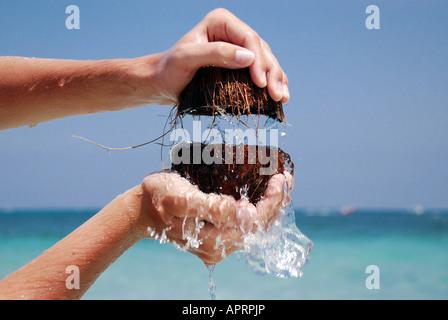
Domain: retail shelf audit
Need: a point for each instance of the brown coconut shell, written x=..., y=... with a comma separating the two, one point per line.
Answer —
x=215, y=91
x=240, y=178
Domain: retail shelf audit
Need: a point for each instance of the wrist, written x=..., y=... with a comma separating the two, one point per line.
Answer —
x=140, y=210
x=146, y=71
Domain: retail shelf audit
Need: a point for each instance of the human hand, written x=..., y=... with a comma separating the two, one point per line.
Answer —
x=222, y=40
x=211, y=226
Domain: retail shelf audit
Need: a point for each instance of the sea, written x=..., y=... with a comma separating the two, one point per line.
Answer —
x=357, y=254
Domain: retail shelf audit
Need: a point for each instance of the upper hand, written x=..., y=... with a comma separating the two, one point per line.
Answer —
x=222, y=40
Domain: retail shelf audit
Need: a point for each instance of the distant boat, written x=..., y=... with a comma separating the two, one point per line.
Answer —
x=347, y=210
x=418, y=209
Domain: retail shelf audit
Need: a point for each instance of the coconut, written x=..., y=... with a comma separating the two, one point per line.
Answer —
x=229, y=93
x=218, y=91
x=240, y=171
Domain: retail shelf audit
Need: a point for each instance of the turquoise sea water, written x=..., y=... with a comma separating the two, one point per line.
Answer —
x=409, y=249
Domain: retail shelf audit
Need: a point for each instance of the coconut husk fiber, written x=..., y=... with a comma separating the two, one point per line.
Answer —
x=216, y=90
x=223, y=92
x=240, y=178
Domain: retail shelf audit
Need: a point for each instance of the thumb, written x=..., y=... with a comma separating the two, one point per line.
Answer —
x=220, y=54
x=268, y=207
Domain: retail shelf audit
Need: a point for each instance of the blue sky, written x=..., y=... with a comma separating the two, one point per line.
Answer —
x=368, y=108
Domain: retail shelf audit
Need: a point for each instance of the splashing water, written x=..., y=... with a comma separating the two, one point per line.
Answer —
x=282, y=250
x=190, y=232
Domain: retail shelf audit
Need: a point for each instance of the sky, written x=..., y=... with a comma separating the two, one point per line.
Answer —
x=368, y=112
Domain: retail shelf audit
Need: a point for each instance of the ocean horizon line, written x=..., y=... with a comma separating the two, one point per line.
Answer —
x=308, y=210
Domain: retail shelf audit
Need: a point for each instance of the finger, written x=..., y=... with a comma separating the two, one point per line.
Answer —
x=220, y=54
x=274, y=74
x=277, y=79
x=252, y=42
x=246, y=215
x=289, y=180
x=285, y=88
x=289, y=184
x=268, y=207
x=221, y=25
x=218, y=241
x=275, y=83
x=221, y=210
x=258, y=68
x=173, y=195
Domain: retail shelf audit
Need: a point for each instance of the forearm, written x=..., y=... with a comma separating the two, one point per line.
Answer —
x=34, y=90
x=91, y=248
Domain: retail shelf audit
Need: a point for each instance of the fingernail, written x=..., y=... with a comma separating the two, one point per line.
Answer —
x=244, y=57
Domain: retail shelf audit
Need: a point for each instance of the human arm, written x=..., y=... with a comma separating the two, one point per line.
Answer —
x=38, y=90
x=155, y=205
x=34, y=90
x=91, y=248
